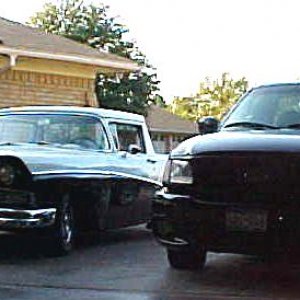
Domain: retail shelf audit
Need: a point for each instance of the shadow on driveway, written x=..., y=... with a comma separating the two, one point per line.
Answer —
x=29, y=246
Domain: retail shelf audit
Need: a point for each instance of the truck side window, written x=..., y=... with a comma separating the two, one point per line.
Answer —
x=127, y=134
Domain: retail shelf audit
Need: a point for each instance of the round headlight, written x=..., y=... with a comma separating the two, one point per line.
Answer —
x=7, y=174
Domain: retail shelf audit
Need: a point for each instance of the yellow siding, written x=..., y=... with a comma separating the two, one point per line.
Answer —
x=2, y=60
x=56, y=67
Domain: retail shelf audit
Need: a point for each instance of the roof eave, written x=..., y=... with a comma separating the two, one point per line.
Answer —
x=98, y=62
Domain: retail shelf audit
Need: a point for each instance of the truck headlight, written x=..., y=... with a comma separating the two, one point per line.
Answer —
x=178, y=172
x=7, y=174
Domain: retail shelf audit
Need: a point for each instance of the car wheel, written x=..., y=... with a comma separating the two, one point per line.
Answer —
x=187, y=259
x=62, y=235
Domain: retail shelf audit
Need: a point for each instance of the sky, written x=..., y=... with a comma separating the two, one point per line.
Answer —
x=191, y=39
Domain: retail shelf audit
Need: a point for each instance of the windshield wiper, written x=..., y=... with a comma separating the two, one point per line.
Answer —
x=41, y=143
x=24, y=143
x=7, y=144
x=292, y=126
x=251, y=125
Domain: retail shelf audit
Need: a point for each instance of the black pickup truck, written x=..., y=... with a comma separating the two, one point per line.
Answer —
x=235, y=189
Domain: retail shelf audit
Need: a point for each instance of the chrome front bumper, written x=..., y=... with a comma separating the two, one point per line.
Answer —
x=23, y=219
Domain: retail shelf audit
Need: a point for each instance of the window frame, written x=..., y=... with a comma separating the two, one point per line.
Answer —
x=116, y=138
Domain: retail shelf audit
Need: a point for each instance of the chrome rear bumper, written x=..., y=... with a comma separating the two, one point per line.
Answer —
x=19, y=219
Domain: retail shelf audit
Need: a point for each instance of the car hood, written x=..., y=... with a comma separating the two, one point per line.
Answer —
x=284, y=140
x=38, y=158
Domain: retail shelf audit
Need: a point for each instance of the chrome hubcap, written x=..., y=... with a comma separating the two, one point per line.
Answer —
x=66, y=226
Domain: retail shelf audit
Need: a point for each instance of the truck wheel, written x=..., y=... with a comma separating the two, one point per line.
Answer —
x=62, y=235
x=187, y=259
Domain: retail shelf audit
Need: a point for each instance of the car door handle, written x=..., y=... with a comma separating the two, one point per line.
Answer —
x=153, y=161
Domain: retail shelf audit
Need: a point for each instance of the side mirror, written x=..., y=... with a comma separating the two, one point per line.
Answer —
x=208, y=125
x=134, y=149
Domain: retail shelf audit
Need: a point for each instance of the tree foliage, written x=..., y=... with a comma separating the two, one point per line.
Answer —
x=92, y=25
x=214, y=98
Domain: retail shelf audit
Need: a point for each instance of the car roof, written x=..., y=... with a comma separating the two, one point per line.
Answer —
x=104, y=113
x=277, y=84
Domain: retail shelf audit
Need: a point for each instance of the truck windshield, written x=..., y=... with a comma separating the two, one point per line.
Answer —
x=275, y=106
x=60, y=130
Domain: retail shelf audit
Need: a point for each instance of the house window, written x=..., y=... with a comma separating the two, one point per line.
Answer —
x=157, y=137
x=159, y=144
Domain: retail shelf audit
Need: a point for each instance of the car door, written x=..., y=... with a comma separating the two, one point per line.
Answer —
x=134, y=192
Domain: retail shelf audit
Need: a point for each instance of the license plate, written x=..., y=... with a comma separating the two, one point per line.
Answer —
x=246, y=220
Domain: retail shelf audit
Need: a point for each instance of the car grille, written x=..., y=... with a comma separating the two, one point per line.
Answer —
x=247, y=177
x=15, y=199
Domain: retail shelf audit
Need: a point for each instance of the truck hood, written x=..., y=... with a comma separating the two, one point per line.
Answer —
x=284, y=140
x=38, y=158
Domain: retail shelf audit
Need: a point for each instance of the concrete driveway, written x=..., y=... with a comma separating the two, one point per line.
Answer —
x=129, y=264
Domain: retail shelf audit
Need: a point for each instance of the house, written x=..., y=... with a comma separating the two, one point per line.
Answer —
x=43, y=68
x=168, y=130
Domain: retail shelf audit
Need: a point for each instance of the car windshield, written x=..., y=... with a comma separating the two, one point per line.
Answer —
x=268, y=107
x=61, y=130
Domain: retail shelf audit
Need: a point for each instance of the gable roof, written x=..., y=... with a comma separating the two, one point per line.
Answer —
x=160, y=120
x=18, y=39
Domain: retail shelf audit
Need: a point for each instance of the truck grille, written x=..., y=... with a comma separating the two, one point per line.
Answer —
x=247, y=177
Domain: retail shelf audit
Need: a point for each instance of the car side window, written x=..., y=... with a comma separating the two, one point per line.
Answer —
x=127, y=134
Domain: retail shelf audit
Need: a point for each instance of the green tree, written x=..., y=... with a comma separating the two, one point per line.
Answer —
x=92, y=25
x=214, y=98
x=186, y=107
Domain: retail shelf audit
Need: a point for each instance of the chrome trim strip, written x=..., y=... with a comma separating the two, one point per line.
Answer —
x=19, y=218
x=175, y=242
x=95, y=173
x=171, y=196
